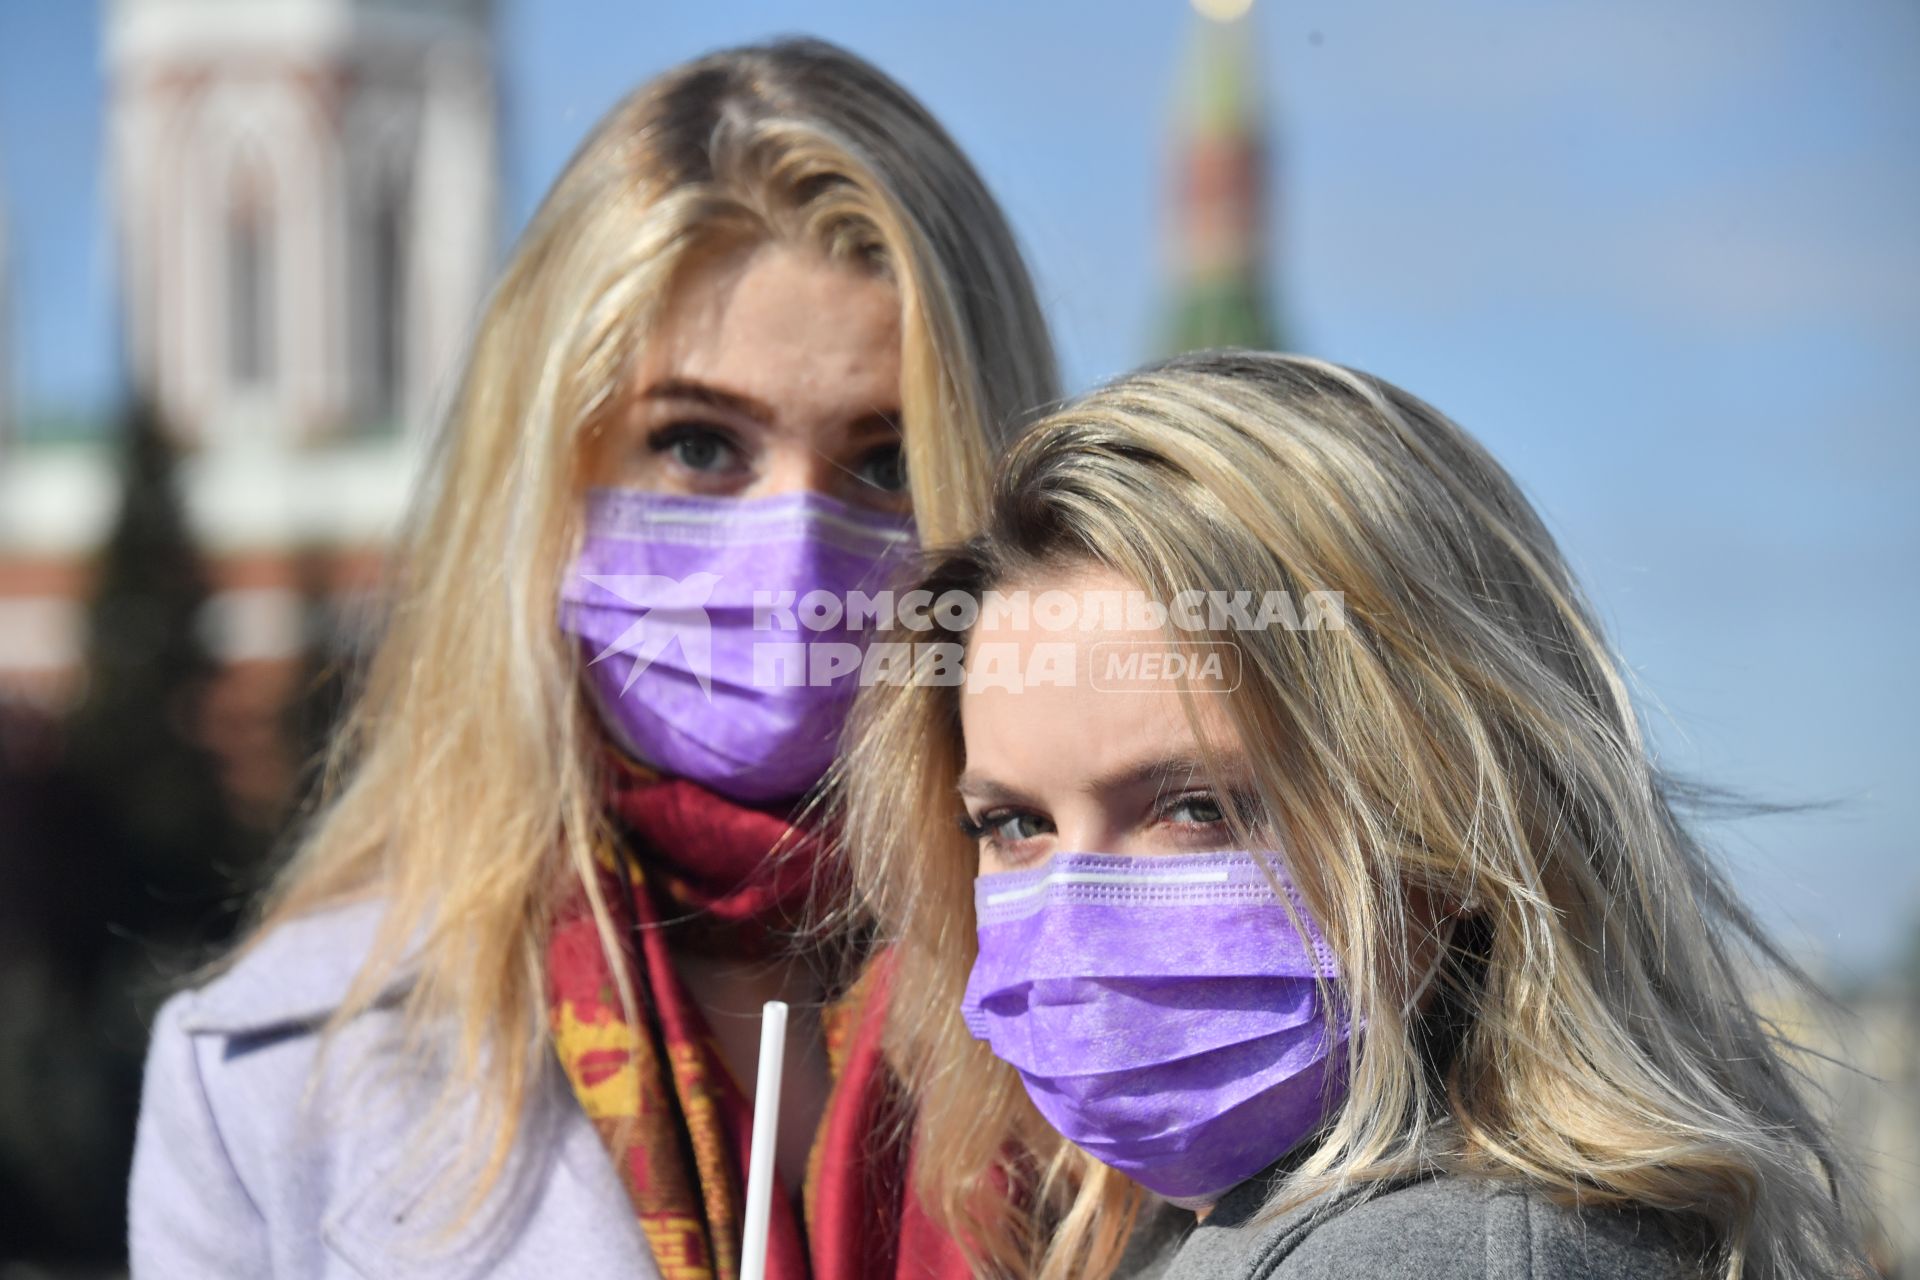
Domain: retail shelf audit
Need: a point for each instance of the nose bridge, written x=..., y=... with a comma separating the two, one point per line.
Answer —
x=799, y=458
x=1084, y=824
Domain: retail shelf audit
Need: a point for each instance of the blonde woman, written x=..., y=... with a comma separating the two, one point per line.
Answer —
x=498, y=1015
x=1289, y=851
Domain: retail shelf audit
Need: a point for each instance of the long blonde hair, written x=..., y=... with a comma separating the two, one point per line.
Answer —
x=462, y=793
x=1467, y=738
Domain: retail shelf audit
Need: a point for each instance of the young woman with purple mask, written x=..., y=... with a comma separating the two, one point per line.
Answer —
x=498, y=1016
x=1309, y=873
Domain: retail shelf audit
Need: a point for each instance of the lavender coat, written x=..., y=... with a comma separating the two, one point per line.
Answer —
x=240, y=1169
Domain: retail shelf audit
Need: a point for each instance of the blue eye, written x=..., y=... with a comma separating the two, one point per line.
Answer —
x=1198, y=810
x=1005, y=826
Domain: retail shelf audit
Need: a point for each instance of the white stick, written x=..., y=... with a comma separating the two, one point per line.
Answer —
x=766, y=1128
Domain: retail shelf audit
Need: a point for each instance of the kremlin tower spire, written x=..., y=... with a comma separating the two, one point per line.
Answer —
x=1219, y=217
x=6, y=332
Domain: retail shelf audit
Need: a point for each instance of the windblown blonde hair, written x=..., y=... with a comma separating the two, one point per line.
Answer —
x=463, y=793
x=1467, y=739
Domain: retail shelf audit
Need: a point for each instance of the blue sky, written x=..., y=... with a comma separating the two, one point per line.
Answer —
x=1664, y=259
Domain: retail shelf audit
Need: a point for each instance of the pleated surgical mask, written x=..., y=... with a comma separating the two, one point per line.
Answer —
x=1166, y=1014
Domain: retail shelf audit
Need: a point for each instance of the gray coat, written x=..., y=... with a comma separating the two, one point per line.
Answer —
x=247, y=1164
x=1447, y=1228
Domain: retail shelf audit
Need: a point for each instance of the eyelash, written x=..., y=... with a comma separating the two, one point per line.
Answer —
x=987, y=824
x=668, y=438
x=1166, y=806
x=665, y=439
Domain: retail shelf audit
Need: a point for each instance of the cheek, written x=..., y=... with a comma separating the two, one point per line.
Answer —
x=990, y=864
x=606, y=453
x=624, y=462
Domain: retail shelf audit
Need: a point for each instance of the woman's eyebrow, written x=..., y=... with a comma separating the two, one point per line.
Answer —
x=1162, y=773
x=884, y=427
x=709, y=395
x=876, y=422
x=975, y=786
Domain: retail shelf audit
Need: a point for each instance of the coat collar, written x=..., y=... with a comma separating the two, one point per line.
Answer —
x=398, y=1147
x=558, y=1207
x=297, y=974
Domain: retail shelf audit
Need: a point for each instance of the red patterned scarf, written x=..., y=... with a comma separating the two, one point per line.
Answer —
x=677, y=1122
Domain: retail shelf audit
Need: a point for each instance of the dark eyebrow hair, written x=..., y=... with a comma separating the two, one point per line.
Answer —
x=877, y=422
x=880, y=421
x=984, y=788
x=709, y=395
x=1164, y=773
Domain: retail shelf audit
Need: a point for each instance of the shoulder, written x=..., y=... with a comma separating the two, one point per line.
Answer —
x=1473, y=1227
x=295, y=975
x=264, y=1147
x=1452, y=1228
x=238, y=1055
x=237, y=1051
x=225, y=1145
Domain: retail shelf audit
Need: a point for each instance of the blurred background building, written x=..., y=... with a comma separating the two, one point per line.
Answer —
x=303, y=195
x=302, y=200
x=298, y=203
x=1220, y=185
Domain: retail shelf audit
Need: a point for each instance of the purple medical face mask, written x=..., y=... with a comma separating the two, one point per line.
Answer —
x=1162, y=1011
x=672, y=596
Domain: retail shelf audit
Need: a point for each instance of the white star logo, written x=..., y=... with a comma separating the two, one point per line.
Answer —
x=675, y=610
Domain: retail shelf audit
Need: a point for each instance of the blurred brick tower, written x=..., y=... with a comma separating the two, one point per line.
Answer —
x=1220, y=219
x=302, y=195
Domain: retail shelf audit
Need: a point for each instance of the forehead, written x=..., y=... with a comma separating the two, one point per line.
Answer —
x=1123, y=703
x=783, y=325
